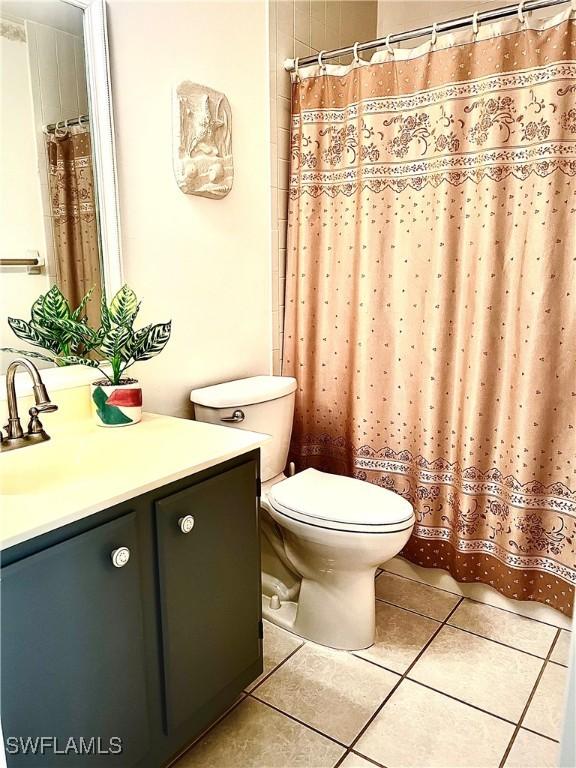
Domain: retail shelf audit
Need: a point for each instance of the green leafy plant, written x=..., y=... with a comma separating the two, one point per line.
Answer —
x=70, y=339
x=56, y=328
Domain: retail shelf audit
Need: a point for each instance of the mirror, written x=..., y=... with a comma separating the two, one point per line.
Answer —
x=58, y=196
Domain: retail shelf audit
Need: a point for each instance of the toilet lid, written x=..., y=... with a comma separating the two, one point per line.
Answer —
x=321, y=498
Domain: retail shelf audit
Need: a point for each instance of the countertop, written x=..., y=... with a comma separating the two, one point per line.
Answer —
x=85, y=469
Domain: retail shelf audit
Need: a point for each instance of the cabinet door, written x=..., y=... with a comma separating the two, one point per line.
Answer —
x=72, y=652
x=210, y=589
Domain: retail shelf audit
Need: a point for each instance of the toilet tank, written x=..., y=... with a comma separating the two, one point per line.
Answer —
x=264, y=404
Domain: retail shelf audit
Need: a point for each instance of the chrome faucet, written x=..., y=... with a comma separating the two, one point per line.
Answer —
x=15, y=435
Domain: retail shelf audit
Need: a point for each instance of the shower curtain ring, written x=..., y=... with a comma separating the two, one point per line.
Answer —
x=355, y=52
x=434, y=35
x=388, y=46
x=475, y=24
x=521, y=17
x=320, y=62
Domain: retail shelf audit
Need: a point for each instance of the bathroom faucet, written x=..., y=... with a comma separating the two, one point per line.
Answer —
x=15, y=436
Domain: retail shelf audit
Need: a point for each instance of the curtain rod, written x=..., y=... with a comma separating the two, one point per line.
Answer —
x=443, y=26
x=51, y=127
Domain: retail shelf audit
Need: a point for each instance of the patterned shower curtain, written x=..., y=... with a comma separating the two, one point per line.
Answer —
x=74, y=219
x=430, y=284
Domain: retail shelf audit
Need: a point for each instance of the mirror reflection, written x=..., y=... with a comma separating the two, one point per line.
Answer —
x=48, y=212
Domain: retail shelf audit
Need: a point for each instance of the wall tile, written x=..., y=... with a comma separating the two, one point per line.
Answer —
x=301, y=50
x=283, y=114
x=282, y=204
x=318, y=35
x=285, y=13
x=283, y=174
x=283, y=144
x=302, y=21
x=318, y=11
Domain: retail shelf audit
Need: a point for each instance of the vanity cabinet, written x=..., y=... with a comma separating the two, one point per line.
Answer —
x=209, y=593
x=149, y=650
x=71, y=631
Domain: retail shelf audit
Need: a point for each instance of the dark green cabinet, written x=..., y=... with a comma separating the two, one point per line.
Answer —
x=209, y=601
x=73, y=650
x=147, y=654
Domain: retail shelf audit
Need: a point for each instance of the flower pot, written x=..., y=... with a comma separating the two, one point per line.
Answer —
x=116, y=405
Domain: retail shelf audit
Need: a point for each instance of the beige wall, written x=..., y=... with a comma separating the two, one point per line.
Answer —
x=300, y=28
x=204, y=263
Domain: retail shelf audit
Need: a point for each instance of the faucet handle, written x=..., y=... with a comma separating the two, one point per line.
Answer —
x=35, y=426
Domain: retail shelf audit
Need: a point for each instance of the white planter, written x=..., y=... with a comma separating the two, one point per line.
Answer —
x=116, y=405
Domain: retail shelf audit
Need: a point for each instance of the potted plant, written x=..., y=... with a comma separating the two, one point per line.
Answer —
x=116, y=346
x=54, y=327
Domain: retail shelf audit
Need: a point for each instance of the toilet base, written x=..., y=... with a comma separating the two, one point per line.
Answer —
x=338, y=611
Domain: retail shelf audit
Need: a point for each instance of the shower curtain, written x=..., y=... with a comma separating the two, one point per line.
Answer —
x=430, y=283
x=74, y=221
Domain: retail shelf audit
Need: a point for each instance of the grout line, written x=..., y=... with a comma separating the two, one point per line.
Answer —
x=461, y=701
x=422, y=583
x=498, y=642
x=558, y=663
x=374, y=663
x=297, y=720
x=542, y=735
x=402, y=677
x=469, y=631
x=520, y=615
x=242, y=697
x=527, y=705
x=395, y=605
x=280, y=664
x=357, y=754
x=369, y=759
x=479, y=602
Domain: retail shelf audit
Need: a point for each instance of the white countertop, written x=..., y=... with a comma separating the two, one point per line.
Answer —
x=85, y=468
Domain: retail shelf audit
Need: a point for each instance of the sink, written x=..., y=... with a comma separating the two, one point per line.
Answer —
x=56, y=464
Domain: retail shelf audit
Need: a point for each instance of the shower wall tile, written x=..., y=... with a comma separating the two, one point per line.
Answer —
x=300, y=28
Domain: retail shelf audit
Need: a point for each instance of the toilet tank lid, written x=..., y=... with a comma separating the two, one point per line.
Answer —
x=256, y=389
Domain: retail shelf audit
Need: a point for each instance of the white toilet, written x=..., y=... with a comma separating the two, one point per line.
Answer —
x=323, y=535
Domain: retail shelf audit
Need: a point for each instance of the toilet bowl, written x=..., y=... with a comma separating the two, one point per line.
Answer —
x=323, y=535
x=335, y=532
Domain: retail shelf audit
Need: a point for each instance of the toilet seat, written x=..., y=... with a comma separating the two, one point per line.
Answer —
x=334, y=502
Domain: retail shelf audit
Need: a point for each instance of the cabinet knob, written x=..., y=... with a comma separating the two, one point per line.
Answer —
x=186, y=523
x=120, y=556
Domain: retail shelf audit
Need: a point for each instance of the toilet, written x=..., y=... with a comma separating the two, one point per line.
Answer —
x=323, y=535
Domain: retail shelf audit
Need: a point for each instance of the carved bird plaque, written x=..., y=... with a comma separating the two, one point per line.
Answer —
x=202, y=153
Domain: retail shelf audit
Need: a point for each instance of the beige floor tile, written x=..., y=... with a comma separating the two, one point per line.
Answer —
x=332, y=691
x=479, y=672
x=495, y=624
x=400, y=636
x=278, y=644
x=561, y=650
x=419, y=728
x=531, y=751
x=355, y=761
x=255, y=736
x=546, y=709
x=429, y=601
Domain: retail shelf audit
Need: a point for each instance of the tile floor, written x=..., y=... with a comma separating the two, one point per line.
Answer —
x=449, y=683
